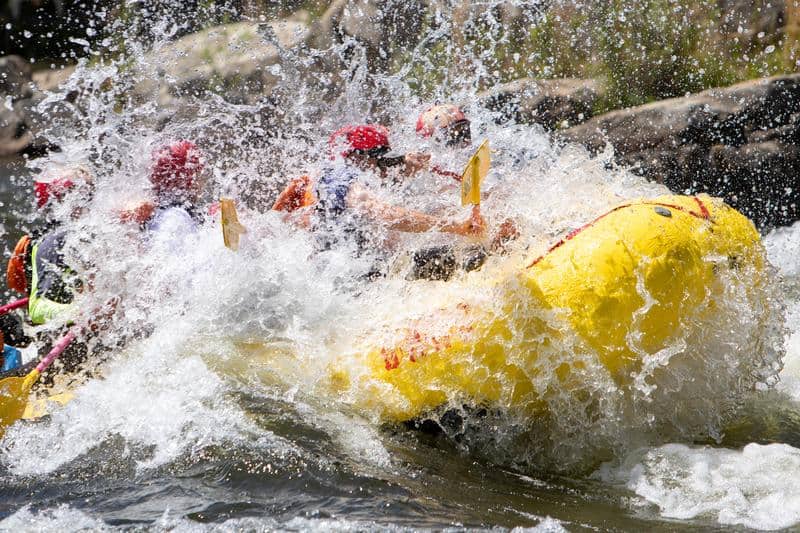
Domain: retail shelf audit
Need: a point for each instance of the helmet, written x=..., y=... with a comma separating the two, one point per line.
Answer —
x=446, y=121
x=175, y=167
x=370, y=139
x=46, y=189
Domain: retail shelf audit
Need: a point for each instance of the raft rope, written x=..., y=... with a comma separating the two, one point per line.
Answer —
x=703, y=214
x=446, y=173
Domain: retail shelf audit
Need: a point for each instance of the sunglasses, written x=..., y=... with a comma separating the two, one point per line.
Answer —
x=380, y=154
x=457, y=133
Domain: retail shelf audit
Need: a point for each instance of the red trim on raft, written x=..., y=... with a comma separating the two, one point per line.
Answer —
x=704, y=214
x=703, y=208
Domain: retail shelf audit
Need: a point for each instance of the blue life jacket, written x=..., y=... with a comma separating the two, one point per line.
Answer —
x=332, y=188
x=12, y=358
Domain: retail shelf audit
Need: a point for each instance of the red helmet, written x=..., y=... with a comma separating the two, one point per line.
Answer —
x=361, y=138
x=47, y=189
x=175, y=167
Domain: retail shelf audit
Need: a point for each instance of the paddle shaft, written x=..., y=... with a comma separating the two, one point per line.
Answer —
x=22, y=302
x=57, y=350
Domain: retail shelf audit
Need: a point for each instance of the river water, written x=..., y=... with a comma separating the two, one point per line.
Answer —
x=213, y=414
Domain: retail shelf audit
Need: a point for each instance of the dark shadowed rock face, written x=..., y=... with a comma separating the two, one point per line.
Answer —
x=552, y=103
x=740, y=143
x=17, y=99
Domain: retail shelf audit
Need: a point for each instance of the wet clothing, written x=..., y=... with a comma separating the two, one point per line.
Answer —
x=170, y=225
x=18, y=272
x=332, y=189
x=173, y=217
x=12, y=358
x=53, y=283
x=334, y=221
x=441, y=262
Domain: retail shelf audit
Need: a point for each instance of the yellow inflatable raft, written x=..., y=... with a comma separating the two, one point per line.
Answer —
x=624, y=286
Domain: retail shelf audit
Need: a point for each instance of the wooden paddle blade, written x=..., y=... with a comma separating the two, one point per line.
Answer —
x=14, y=394
x=231, y=228
x=477, y=168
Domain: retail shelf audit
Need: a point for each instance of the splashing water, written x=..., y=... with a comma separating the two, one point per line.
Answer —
x=216, y=399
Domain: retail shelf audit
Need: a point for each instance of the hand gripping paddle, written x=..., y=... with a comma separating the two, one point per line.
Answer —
x=14, y=391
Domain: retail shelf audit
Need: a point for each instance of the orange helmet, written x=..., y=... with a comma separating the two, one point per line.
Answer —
x=446, y=122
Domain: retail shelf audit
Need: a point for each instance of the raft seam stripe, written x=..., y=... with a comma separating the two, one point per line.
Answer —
x=704, y=214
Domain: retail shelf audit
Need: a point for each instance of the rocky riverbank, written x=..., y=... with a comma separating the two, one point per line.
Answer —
x=739, y=142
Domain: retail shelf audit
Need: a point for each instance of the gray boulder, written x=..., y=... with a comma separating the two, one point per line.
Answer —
x=18, y=97
x=14, y=134
x=15, y=77
x=240, y=61
x=553, y=103
x=381, y=28
x=739, y=142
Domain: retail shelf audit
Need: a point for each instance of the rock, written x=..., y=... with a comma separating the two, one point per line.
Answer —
x=382, y=28
x=15, y=77
x=14, y=134
x=751, y=24
x=552, y=103
x=51, y=80
x=740, y=143
x=18, y=98
x=241, y=61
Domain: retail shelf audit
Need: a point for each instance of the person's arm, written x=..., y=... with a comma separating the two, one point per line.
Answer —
x=139, y=213
x=101, y=317
x=401, y=219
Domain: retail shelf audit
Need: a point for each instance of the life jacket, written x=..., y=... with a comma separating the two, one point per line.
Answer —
x=53, y=283
x=18, y=272
x=12, y=358
x=332, y=189
x=296, y=195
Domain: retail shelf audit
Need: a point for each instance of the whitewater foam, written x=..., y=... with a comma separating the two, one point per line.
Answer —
x=755, y=487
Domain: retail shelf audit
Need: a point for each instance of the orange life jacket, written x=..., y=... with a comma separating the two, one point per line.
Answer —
x=297, y=194
x=16, y=273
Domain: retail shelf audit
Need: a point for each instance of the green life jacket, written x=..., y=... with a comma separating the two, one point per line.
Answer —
x=52, y=281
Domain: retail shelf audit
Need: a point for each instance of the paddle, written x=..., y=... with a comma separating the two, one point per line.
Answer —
x=16, y=304
x=232, y=229
x=14, y=391
x=477, y=168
